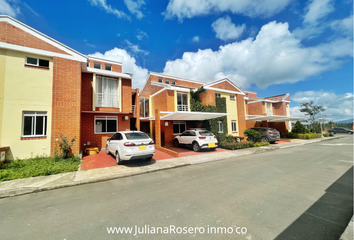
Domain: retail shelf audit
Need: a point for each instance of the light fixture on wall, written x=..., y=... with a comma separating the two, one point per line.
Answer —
x=166, y=124
x=123, y=119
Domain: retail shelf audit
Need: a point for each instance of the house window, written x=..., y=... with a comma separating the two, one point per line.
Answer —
x=37, y=62
x=97, y=65
x=108, y=67
x=88, y=63
x=182, y=102
x=173, y=82
x=217, y=95
x=167, y=81
x=144, y=107
x=269, y=110
x=179, y=127
x=34, y=124
x=233, y=126
x=106, y=92
x=246, y=94
x=160, y=80
x=220, y=128
x=232, y=97
x=106, y=125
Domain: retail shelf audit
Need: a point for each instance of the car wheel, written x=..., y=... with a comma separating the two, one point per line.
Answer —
x=118, y=160
x=264, y=139
x=107, y=150
x=350, y=133
x=196, y=147
x=176, y=143
x=334, y=132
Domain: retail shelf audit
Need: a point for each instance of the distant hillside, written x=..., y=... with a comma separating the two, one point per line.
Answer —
x=346, y=121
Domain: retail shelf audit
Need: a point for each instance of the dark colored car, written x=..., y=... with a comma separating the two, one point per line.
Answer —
x=270, y=135
x=340, y=130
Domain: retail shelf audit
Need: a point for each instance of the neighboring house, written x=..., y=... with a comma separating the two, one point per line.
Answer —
x=168, y=98
x=48, y=89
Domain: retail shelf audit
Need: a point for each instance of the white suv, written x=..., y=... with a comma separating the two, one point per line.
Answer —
x=198, y=139
x=129, y=145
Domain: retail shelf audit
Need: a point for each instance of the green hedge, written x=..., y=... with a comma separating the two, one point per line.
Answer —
x=327, y=134
x=236, y=145
x=310, y=135
x=292, y=135
x=260, y=144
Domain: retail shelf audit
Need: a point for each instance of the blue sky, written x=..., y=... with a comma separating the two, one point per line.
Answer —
x=304, y=48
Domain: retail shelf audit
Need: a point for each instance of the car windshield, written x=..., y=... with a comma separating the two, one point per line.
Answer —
x=136, y=135
x=205, y=133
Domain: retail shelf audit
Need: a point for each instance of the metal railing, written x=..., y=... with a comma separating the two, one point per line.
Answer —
x=134, y=109
x=106, y=100
x=183, y=108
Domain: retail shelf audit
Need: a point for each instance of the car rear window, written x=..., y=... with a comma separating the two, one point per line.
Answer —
x=206, y=133
x=136, y=135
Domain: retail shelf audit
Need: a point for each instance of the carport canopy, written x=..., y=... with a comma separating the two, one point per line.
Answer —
x=190, y=116
x=271, y=118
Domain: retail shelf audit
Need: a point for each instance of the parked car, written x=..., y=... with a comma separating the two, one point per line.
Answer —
x=197, y=139
x=340, y=130
x=270, y=135
x=130, y=145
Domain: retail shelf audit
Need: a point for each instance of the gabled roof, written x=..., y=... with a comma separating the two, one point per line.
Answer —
x=73, y=54
x=208, y=85
x=280, y=97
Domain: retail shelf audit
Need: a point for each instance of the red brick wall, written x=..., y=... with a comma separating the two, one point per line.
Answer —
x=126, y=95
x=86, y=92
x=208, y=98
x=251, y=94
x=115, y=67
x=170, y=100
x=169, y=137
x=160, y=101
x=280, y=126
x=241, y=113
x=88, y=129
x=279, y=108
x=225, y=85
x=13, y=35
x=150, y=89
x=66, y=101
x=257, y=108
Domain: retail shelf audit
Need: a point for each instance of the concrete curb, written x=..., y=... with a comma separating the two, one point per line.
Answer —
x=44, y=183
x=348, y=232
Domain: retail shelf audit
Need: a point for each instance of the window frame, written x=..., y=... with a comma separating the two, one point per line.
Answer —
x=38, y=60
x=35, y=114
x=217, y=95
x=106, y=118
x=160, y=80
x=179, y=127
x=232, y=127
x=222, y=128
x=107, y=65
x=167, y=81
x=232, y=97
x=173, y=83
x=97, y=63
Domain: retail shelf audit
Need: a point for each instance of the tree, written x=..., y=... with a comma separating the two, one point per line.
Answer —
x=298, y=128
x=311, y=111
x=196, y=95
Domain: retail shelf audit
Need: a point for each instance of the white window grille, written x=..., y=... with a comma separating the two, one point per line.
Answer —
x=233, y=126
x=220, y=128
x=107, y=92
x=182, y=102
x=34, y=124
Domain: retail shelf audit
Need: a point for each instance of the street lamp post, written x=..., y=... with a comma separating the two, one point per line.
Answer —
x=321, y=126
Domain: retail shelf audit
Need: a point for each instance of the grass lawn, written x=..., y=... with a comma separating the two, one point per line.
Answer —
x=38, y=166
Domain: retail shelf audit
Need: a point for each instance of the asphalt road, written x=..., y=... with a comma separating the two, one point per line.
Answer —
x=304, y=192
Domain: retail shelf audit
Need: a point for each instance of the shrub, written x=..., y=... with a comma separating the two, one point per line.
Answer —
x=327, y=134
x=292, y=135
x=66, y=145
x=298, y=128
x=310, y=135
x=260, y=144
x=236, y=145
x=229, y=138
x=252, y=135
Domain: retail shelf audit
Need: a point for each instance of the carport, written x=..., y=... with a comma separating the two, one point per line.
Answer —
x=278, y=122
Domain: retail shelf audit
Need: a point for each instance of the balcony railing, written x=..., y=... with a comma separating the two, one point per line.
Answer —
x=134, y=109
x=183, y=108
x=106, y=100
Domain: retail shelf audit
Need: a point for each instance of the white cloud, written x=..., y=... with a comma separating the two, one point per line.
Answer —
x=318, y=9
x=134, y=6
x=108, y=8
x=141, y=34
x=195, y=39
x=9, y=8
x=252, y=8
x=338, y=107
x=226, y=30
x=128, y=63
x=135, y=49
x=274, y=56
x=343, y=26
x=89, y=44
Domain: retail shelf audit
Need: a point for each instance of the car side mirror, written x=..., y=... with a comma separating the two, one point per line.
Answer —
x=108, y=139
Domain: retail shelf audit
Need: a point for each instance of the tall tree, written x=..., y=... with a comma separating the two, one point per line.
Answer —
x=311, y=111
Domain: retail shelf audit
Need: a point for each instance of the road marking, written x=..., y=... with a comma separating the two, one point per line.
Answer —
x=339, y=144
x=345, y=161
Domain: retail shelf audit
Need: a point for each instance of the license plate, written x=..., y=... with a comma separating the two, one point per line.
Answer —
x=211, y=145
x=142, y=147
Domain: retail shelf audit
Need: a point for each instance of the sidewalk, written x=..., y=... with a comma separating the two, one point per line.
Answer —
x=43, y=183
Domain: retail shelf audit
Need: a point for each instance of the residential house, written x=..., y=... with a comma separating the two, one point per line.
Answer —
x=48, y=89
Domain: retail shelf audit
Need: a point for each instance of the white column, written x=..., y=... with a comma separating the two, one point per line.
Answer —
x=120, y=94
x=94, y=92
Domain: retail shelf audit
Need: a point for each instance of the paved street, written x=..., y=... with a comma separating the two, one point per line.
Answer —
x=304, y=192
